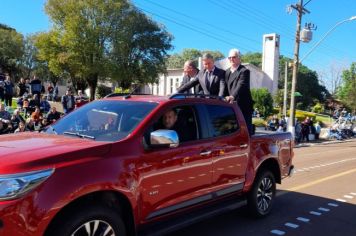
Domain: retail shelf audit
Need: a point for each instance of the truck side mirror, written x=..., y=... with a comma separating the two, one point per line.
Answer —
x=164, y=138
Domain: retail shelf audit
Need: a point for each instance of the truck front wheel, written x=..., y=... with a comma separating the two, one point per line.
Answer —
x=261, y=197
x=90, y=221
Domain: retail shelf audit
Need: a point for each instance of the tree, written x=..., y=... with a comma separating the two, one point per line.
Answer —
x=347, y=90
x=263, y=101
x=331, y=76
x=252, y=58
x=11, y=49
x=139, y=49
x=29, y=58
x=177, y=60
x=96, y=39
x=310, y=88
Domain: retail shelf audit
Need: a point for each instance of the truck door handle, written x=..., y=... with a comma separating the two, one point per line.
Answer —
x=205, y=153
x=243, y=145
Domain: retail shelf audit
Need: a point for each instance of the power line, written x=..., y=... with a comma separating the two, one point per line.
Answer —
x=265, y=18
x=231, y=8
x=200, y=30
x=188, y=27
x=201, y=21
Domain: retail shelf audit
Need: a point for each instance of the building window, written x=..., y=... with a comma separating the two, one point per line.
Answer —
x=171, y=85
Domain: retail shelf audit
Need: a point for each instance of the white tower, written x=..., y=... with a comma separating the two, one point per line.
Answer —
x=270, y=59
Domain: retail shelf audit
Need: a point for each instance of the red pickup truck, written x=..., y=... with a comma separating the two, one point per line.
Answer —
x=109, y=168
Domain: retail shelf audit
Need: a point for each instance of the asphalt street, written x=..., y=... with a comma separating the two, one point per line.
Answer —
x=319, y=199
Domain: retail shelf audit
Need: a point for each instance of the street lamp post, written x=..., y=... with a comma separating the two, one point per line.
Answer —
x=295, y=67
x=325, y=35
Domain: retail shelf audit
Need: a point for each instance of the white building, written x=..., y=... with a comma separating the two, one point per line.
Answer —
x=265, y=78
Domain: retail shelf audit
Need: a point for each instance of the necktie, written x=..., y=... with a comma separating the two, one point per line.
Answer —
x=207, y=80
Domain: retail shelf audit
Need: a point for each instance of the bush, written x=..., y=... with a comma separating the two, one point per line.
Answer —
x=263, y=101
x=102, y=91
x=301, y=115
x=258, y=122
x=318, y=108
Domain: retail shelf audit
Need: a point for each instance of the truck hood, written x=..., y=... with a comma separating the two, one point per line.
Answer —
x=32, y=151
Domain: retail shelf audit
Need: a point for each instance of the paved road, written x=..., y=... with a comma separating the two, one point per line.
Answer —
x=320, y=199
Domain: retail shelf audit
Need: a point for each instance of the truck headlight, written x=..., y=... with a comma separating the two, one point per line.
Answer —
x=14, y=185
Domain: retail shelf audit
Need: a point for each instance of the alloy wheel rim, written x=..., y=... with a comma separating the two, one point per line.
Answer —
x=264, y=194
x=94, y=228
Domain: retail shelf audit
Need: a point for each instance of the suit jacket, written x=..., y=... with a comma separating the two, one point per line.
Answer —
x=238, y=86
x=186, y=79
x=217, y=84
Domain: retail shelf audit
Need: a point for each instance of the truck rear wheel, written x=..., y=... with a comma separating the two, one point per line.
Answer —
x=90, y=221
x=261, y=197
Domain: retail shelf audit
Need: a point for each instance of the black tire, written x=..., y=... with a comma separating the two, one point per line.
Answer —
x=260, y=199
x=98, y=218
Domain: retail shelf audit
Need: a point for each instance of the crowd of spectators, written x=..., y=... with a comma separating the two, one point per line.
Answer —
x=33, y=111
x=303, y=129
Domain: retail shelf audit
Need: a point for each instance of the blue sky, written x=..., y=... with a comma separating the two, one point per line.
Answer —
x=224, y=24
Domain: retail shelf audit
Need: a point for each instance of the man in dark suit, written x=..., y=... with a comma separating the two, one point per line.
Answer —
x=190, y=72
x=237, y=79
x=211, y=79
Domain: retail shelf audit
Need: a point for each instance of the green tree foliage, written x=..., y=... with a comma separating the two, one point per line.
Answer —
x=278, y=98
x=347, y=90
x=263, y=101
x=310, y=88
x=96, y=39
x=318, y=108
x=252, y=58
x=11, y=49
x=177, y=60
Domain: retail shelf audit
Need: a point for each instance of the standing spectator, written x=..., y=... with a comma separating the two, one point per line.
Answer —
x=298, y=131
x=237, y=79
x=311, y=125
x=256, y=113
x=53, y=115
x=190, y=72
x=305, y=131
x=317, y=130
x=50, y=91
x=2, y=87
x=81, y=99
x=22, y=87
x=55, y=93
x=28, y=86
x=68, y=102
x=36, y=86
x=9, y=91
x=211, y=79
x=44, y=104
x=283, y=123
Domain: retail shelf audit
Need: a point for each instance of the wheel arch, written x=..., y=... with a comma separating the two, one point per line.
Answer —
x=112, y=199
x=272, y=165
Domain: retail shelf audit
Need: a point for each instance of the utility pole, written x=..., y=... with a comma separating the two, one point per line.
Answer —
x=285, y=90
x=299, y=7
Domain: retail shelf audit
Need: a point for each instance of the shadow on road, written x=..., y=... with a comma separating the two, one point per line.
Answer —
x=336, y=218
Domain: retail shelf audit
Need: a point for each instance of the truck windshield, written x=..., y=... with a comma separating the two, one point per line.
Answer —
x=103, y=120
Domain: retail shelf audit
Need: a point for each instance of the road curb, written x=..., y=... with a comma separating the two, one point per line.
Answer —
x=323, y=143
